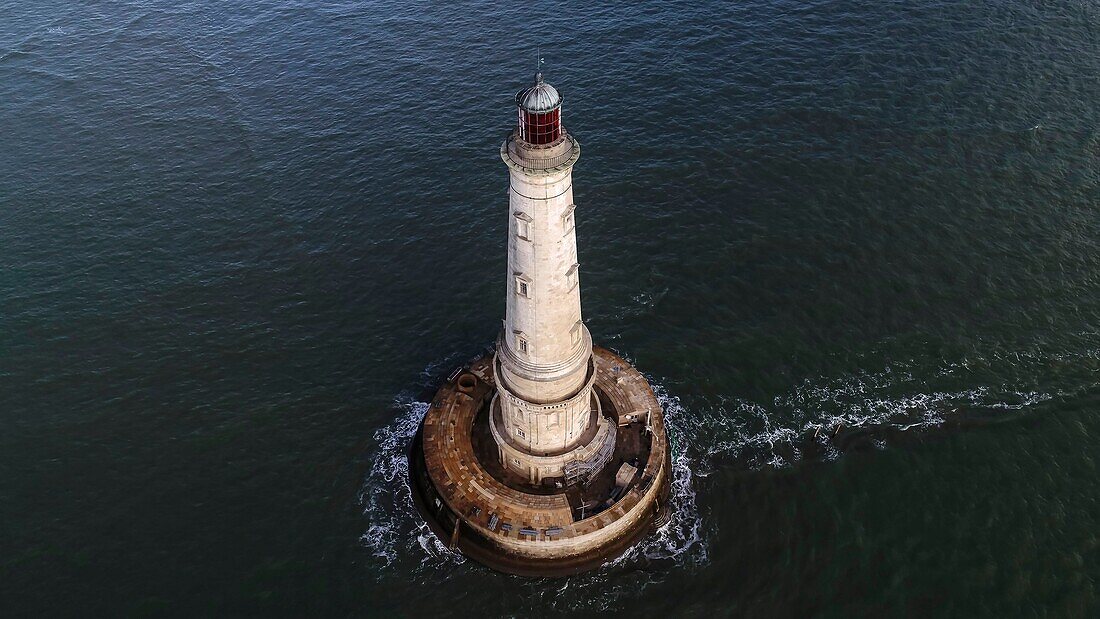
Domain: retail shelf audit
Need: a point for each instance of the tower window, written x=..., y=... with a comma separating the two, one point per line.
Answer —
x=575, y=333
x=571, y=275
x=521, y=433
x=523, y=226
x=522, y=344
x=523, y=286
x=567, y=220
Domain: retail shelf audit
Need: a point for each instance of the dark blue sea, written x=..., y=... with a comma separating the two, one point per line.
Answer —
x=854, y=244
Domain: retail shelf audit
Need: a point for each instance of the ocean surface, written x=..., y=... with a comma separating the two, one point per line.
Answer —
x=854, y=244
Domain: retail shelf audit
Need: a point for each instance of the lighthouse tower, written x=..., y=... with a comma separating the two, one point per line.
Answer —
x=545, y=419
x=548, y=455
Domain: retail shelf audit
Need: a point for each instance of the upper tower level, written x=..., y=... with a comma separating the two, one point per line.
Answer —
x=539, y=108
x=539, y=145
x=545, y=349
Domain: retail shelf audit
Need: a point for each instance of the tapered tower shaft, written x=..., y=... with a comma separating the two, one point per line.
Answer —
x=544, y=352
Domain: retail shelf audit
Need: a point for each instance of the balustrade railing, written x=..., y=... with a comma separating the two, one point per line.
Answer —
x=542, y=163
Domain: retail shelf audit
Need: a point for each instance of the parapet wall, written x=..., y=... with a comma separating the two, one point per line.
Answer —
x=536, y=531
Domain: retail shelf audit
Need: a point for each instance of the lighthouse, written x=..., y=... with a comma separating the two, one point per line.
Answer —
x=547, y=455
x=545, y=419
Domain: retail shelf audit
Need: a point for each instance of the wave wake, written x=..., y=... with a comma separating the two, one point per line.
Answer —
x=816, y=419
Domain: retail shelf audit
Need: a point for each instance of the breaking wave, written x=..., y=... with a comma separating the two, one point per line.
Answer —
x=395, y=531
x=679, y=539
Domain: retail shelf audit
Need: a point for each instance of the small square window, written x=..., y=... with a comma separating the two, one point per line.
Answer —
x=521, y=342
x=521, y=433
x=523, y=286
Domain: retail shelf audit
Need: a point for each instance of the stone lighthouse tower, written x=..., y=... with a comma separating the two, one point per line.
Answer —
x=548, y=455
x=545, y=419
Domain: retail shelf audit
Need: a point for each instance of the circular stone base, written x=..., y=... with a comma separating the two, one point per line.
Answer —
x=476, y=506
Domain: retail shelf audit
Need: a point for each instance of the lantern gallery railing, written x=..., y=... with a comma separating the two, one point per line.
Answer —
x=541, y=163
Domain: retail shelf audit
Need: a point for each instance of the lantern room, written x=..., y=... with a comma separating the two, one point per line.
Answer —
x=539, y=113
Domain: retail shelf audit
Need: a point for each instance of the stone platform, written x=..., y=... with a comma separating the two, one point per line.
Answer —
x=475, y=505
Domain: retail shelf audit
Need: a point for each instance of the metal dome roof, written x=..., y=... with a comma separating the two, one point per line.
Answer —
x=541, y=97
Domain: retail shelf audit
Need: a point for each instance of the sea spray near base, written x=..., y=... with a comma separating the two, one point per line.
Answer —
x=386, y=500
x=680, y=538
x=746, y=432
x=395, y=526
x=816, y=420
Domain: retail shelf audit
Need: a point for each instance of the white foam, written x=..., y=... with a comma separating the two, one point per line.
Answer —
x=763, y=435
x=394, y=524
x=396, y=531
x=770, y=436
x=680, y=539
